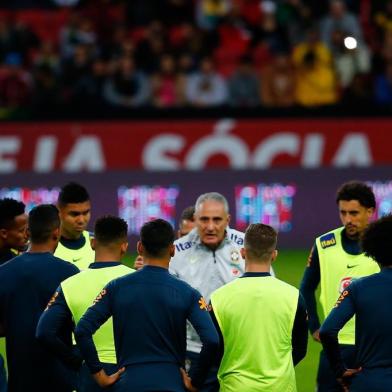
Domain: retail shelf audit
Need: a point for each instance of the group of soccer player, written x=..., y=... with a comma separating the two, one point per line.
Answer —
x=203, y=312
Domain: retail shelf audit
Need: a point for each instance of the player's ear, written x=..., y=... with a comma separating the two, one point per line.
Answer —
x=228, y=219
x=123, y=248
x=140, y=248
x=370, y=212
x=56, y=234
x=243, y=253
x=3, y=233
x=93, y=243
x=274, y=255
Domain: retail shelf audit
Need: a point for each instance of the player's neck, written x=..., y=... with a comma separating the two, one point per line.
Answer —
x=257, y=266
x=163, y=263
x=71, y=236
x=42, y=248
x=106, y=253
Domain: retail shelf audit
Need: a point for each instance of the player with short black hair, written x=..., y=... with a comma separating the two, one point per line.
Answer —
x=150, y=309
x=27, y=283
x=13, y=228
x=72, y=193
x=335, y=260
x=356, y=190
x=368, y=299
x=110, y=230
x=42, y=222
x=13, y=239
x=75, y=212
x=156, y=236
x=77, y=293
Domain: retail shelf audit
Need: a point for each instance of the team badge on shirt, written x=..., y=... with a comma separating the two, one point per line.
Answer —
x=344, y=283
x=235, y=256
x=328, y=240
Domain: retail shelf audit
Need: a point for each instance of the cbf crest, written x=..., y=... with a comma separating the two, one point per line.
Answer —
x=235, y=256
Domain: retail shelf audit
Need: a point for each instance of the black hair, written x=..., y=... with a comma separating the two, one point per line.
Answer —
x=110, y=229
x=356, y=190
x=73, y=193
x=188, y=213
x=156, y=236
x=9, y=210
x=43, y=219
x=376, y=240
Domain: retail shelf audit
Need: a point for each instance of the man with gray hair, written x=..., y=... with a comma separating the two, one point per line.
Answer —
x=208, y=258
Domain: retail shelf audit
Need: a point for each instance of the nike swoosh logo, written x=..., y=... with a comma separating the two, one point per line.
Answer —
x=352, y=266
x=76, y=260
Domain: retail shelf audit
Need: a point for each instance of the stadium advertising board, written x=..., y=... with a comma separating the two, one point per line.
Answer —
x=193, y=144
x=298, y=203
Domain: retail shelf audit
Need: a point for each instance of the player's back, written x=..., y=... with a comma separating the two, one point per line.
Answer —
x=160, y=304
x=150, y=308
x=27, y=283
x=371, y=296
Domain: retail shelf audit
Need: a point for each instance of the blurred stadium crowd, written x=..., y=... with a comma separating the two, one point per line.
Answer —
x=200, y=53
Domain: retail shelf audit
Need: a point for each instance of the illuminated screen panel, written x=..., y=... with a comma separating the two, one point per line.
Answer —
x=31, y=197
x=140, y=204
x=383, y=193
x=262, y=203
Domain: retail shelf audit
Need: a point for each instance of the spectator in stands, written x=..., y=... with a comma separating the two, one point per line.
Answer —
x=348, y=61
x=167, y=85
x=244, y=89
x=209, y=13
x=78, y=31
x=206, y=88
x=296, y=16
x=127, y=87
x=278, y=82
x=340, y=19
x=322, y=55
x=15, y=83
x=74, y=70
x=315, y=80
x=7, y=38
x=383, y=18
x=47, y=56
x=383, y=86
x=90, y=86
x=269, y=31
x=46, y=93
x=150, y=49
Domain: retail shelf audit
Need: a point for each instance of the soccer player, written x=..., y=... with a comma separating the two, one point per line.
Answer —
x=335, y=260
x=75, y=212
x=262, y=321
x=369, y=299
x=150, y=308
x=13, y=239
x=13, y=229
x=78, y=292
x=27, y=283
x=187, y=221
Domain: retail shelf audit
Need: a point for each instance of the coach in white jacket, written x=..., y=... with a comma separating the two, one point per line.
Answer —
x=208, y=258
